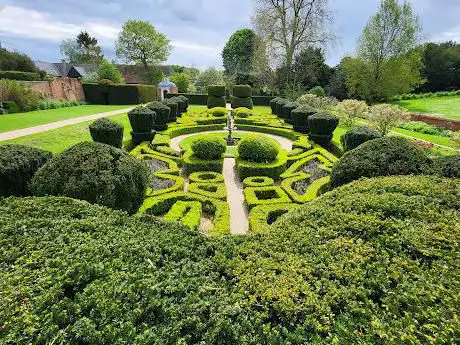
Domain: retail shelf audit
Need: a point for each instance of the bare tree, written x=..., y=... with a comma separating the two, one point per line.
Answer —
x=287, y=26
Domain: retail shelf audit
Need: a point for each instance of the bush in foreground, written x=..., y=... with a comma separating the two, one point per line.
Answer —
x=258, y=148
x=18, y=165
x=372, y=262
x=447, y=166
x=380, y=157
x=209, y=147
x=357, y=136
x=98, y=173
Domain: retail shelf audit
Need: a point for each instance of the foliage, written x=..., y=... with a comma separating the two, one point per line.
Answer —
x=187, y=213
x=210, y=76
x=97, y=173
x=293, y=90
x=258, y=148
x=455, y=136
x=14, y=61
x=208, y=147
x=240, y=102
x=337, y=86
x=273, y=103
x=22, y=95
x=154, y=76
x=142, y=119
x=18, y=75
x=320, y=103
x=263, y=216
x=209, y=189
x=318, y=91
x=109, y=71
x=11, y=107
x=108, y=132
x=387, y=63
x=139, y=42
x=350, y=110
x=242, y=112
x=322, y=126
x=273, y=169
x=384, y=117
x=216, y=90
x=83, y=49
x=173, y=108
x=258, y=181
x=242, y=91
x=182, y=81
x=423, y=127
x=269, y=195
x=300, y=117
x=206, y=177
x=238, y=55
x=56, y=103
x=315, y=187
x=18, y=165
x=380, y=157
x=214, y=102
x=447, y=166
x=162, y=115
x=357, y=136
x=310, y=69
x=287, y=109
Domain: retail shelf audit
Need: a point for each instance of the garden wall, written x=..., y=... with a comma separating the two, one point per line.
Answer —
x=60, y=88
x=452, y=125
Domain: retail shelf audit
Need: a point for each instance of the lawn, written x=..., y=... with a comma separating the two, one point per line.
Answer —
x=57, y=140
x=39, y=117
x=447, y=107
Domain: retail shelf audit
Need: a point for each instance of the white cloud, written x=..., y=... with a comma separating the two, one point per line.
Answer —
x=199, y=49
x=33, y=24
x=449, y=35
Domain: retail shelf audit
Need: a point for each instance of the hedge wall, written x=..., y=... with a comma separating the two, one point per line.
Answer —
x=119, y=93
x=18, y=75
x=196, y=99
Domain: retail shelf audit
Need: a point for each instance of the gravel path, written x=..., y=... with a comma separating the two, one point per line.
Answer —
x=58, y=124
x=239, y=217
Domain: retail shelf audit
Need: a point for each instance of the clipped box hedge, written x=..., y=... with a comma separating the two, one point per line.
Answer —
x=242, y=102
x=107, y=131
x=206, y=177
x=210, y=190
x=193, y=164
x=19, y=75
x=242, y=91
x=187, y=213
x=263, y=216
x=119, y=93
x=196, y=99
x=262, y=100
x=214, y=102
x=216, y=90
x=272, y=170
x=258, y=181
x=313, y=191
x=269, y=195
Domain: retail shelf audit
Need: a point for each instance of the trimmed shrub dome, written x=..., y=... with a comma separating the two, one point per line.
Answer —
x=18, y=165
x=380, y=157
x=258, y=148
x=447, y=166
x=108, y=132
x=357, y=136
x=322, y=126
x=98, y=173
x=208, y=147
x=162, y=115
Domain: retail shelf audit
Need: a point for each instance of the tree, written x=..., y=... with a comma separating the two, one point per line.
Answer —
x=238, y=55
x=82, y=49
x=337, y=84
x=350, y=110
x=109, y=71
x=13, y=61
x=139, y=42
x=182, y=81
x=385, y=116
x=310, y=68
x=441, y=67
x=290, y=25
x=154, y=76
x=387, y=62
x=210, y=76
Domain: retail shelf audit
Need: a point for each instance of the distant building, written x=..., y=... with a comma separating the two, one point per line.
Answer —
x=166, y=87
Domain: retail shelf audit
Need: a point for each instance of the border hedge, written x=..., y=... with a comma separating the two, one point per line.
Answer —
x=210, y=190
x=273, y=169
x=196, y=99
x=263, y=216
x=269, y=195
x=258, y=181
x=119, y=94
x=19, y=75
x=187, y=213
x=206, y=177
x=193, y=164
x=313, y=191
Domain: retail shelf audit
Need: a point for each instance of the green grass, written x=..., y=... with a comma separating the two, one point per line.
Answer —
x=39, y=117
x=57, y=140
x=447, y=107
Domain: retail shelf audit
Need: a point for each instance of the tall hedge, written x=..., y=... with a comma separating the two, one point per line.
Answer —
x=95, y=172
x=300, y=117
x=162, y=115
x=119, y=93
x=357, y=136
x=18, y=75
x=18, y=165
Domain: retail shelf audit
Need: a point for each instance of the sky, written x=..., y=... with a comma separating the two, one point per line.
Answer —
x=198, y=29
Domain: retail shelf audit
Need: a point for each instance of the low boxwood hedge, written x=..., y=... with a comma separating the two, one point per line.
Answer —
x=194, y=164
x=258, y=181
x=187, y=213
x=262, y=216
x=273, y=169
x=242, y=113
x=357, y=136
x=210, y=190
x=313, y=191
x=95, y=172
x=206, y=177
x=380, y=157
x=18, y=165
x=108, y=132
x=254, y=196
x=296, y=167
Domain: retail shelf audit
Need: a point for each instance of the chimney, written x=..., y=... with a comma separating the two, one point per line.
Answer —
x=64, y=68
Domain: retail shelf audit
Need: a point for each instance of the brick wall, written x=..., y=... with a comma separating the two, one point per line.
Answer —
x=452, y=125
x=59, y=88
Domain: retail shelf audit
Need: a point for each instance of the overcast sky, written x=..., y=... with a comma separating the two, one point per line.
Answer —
x=198, y=29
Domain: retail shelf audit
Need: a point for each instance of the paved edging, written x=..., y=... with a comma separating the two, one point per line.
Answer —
x=58, y=124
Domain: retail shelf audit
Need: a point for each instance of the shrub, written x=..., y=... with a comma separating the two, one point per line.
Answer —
x=422, y=127
x=214, y=102
x=187, y=213
x=380, y=157
x=322, y=127
x=242, y=112
x=216, y=90
x=320, y=103
x=22, y=95
x=273, y=104
x=288, y=108
x=242, y=91
x=269, y=195
x=258, y=181
x=18, y=165
x=279, y=106
x=350, y=110
x=357, y=136
x=242, y=102
x=317, y=91
x=385, y=116
x=185, y=101
x=97, y=173
x=108, y=132
x=11, y=107
x=210, y=190
x=173, y=109
x=108, y=71
x=208, y=147
x=18, y=75
x=162, y=115
x=273, y=169
x=258, y=148
x=447, y=166
x=119, y=94
x=206, y=177
x=105, y=82
x=300, y=117
x=263, y=216
x=218, y=111
x=182, y=105
x=142, y=119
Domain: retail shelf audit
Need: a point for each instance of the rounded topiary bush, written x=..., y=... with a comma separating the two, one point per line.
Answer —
x=108, y=132
x=185, y=101
x=380, y=157
x=218, y=111
x=242, y=91
x=357, y=136
x=273, y=104
x=242, y=112
x=142, y=119
x=214, y=102
x=98, y=173
x=447, y=166
x=300, y=117
x=173, y=106
x=279, y=106
x=288, y=108
x=322, y=127
x=258, y=148
x=209, y=147
x=162, y=115
x=242, y=102
x=18, y=165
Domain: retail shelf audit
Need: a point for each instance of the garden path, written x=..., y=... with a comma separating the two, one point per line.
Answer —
x=239, y=217
x=58, y=124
